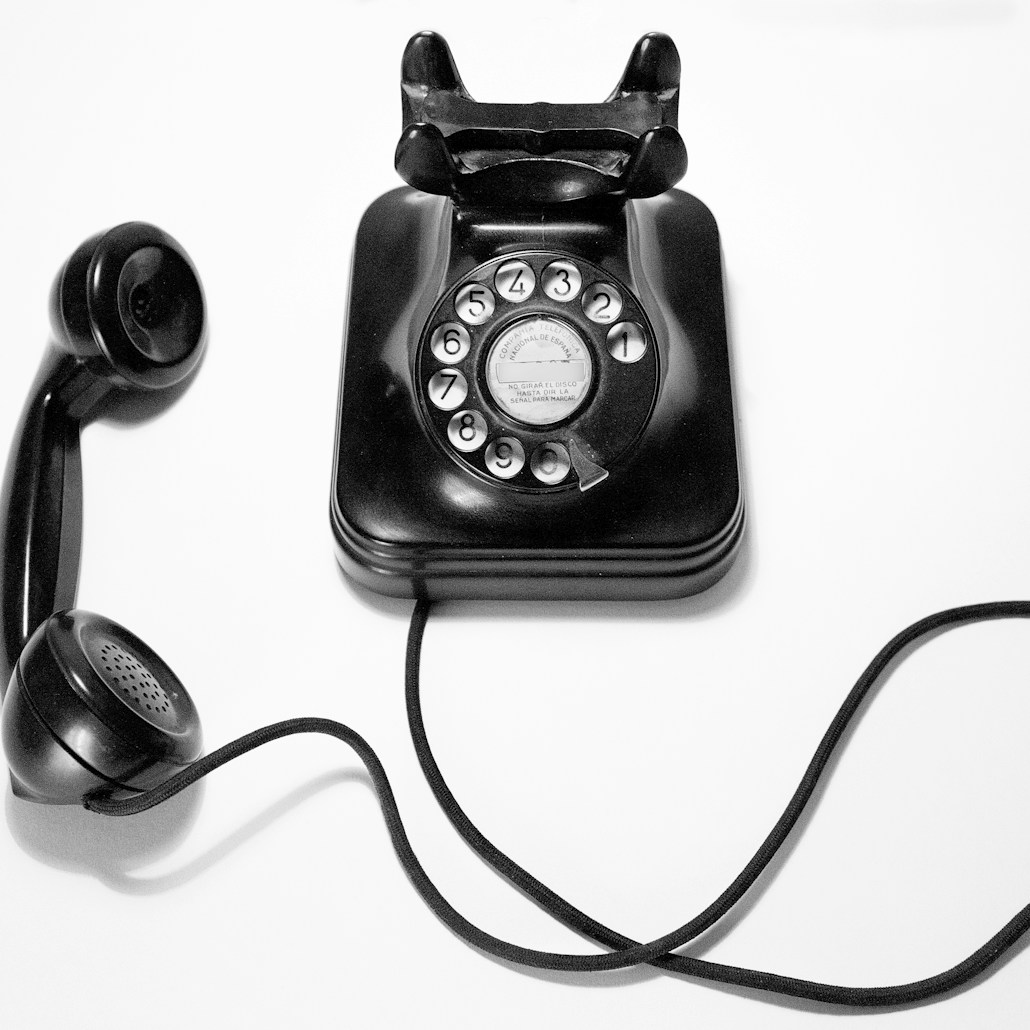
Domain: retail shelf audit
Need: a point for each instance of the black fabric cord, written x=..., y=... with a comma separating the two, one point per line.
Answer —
x=625, y=951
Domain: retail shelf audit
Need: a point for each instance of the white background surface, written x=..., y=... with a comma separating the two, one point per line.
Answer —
x=867, y=163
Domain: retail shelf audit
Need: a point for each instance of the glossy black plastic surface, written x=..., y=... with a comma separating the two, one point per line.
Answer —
x=127, y=311
x=413, y=518
x=129, y=305
x=92, y=708
x=541, y=153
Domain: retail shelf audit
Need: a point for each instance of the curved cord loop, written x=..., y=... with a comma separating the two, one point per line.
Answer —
x=561, y=909
x=625, y=951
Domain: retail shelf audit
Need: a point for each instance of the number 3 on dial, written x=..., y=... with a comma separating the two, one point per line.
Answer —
x=561, y=280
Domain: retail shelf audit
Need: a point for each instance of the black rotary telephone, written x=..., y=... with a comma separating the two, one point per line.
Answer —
x=535, y=403
x=535, y=396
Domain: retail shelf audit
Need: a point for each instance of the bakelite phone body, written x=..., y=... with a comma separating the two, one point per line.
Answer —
x=536, y=397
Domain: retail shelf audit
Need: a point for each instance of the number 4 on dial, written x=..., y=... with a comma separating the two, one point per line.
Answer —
x=515, y=281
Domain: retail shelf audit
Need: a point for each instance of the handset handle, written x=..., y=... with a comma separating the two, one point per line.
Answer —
x=41, y=503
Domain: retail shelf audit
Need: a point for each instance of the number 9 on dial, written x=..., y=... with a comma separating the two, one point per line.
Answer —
x=505, y=457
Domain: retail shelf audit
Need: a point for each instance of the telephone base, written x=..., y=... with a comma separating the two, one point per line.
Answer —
x=420, y=505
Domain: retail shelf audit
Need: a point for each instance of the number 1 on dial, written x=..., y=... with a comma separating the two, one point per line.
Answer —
x=627, y=342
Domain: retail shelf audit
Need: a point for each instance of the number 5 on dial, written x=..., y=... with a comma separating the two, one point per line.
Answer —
x=474, y=303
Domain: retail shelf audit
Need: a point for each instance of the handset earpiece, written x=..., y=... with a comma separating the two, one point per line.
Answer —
x=129, y=307
x=90, y=707
x=127, y=311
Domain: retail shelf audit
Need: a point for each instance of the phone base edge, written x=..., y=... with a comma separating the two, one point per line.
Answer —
x=439, y=575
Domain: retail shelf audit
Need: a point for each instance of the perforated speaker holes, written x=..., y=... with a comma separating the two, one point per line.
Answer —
x=126, y=674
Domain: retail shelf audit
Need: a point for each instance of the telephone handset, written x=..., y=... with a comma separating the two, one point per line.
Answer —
x=535, y=398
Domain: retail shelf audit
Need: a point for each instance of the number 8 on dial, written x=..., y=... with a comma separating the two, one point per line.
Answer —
x=467, y=431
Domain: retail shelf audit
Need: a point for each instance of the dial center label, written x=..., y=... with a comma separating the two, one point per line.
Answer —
x=539, y=370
